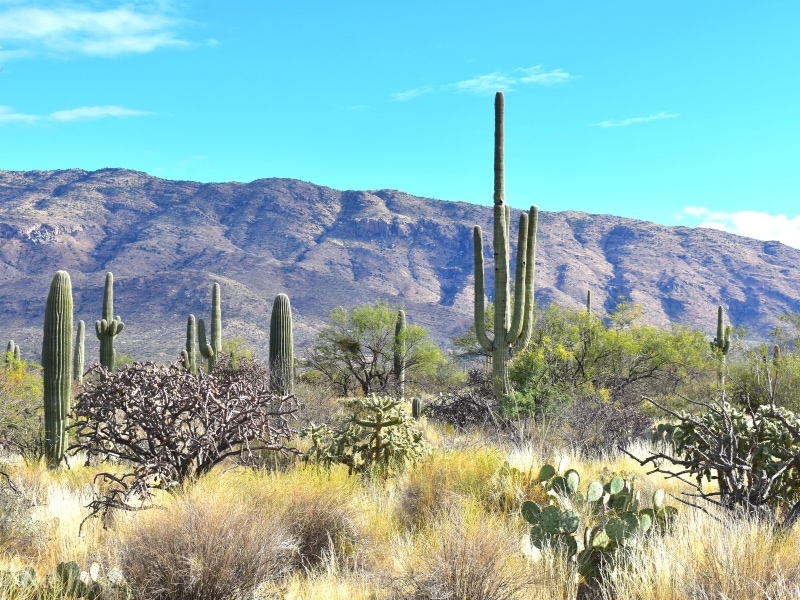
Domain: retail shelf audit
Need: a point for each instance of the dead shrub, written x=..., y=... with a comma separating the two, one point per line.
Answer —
x=204, y=549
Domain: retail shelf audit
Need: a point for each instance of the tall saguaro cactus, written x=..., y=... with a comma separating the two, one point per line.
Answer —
x=281, y=346
x=211, y=350
x=512, y=330
x=400, y=353
x=721, y=344
x=78, y=358
x=109, y=326
x=57, y=366
x=189, y=355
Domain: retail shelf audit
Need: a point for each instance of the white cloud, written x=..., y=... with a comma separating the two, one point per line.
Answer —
x=83, y=113
x=491, y=82
x=127, y=29
x=636, y=120
x=750, y=223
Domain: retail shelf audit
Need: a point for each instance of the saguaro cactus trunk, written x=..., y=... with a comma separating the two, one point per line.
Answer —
x=512, y=329
x=57, y=366
x=109, y=326
x=721, y=345
x=400, y=353
x=281, y=346
x=78, y=359
x=211, y=350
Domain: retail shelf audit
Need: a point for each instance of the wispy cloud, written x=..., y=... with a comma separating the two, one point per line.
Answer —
x=490, y=83
x=636, y=120
x=83, y=113
x=35, y=28
x=750, y=223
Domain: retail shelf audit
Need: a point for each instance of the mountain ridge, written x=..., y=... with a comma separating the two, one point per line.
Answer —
x=167, y=241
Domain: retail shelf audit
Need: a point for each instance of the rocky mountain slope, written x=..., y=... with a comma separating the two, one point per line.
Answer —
x=167, y=241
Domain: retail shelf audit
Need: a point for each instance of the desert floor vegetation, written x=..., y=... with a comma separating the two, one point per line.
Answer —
x=447, y=527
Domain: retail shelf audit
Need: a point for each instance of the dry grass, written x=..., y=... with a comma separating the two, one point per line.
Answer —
x=447, y=528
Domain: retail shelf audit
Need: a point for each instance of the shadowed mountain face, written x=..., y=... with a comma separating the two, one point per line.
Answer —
x=167, y=241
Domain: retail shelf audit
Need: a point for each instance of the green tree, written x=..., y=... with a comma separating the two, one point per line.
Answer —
x=21, y=409
x=574, y=353
x=355, y=351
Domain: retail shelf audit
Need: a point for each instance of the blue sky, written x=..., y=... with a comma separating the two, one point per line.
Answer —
x=680, y=112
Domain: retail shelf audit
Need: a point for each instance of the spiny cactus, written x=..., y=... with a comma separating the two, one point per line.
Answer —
x=57, y=366
x=722, y=342
x=416, y=408
x=721, y=345
x=612, y=515
x=400, y=353
x=12, y=352
x=210, y=350
x=109, y=326
x=510, y=331
x=189, y=355
x=281, y=347
x=78, y=358
x=589, y=301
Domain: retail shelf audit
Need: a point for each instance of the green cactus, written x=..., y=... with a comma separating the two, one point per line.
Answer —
x=720, y=345
x=416, y=408
x=613, y=520
x=109, y=326
x=510, y=330
x=57, y=366
x=400, y=353
x=78, y=358
x=281, y=346
x=589, y=301
x=189, y=355
x=211, y=350
x=12, y=353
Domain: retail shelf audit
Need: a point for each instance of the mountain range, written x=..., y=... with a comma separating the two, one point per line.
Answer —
x=167, y=241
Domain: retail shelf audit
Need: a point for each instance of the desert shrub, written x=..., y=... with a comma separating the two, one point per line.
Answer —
x=752, y=454
x=435, y=482
x=379, y=437
x=204, y=549
x=466, y=553
x=170, y=425
x=322, y=511
x=21, y=409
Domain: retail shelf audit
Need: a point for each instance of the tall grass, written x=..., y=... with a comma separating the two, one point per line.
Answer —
x=448, y=527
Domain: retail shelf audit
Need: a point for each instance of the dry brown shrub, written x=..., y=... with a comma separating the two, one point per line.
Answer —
x=204, y=549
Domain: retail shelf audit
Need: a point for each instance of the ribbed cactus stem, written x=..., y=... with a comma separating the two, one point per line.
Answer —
x=57, y=366
x=512, y=330
x=400, y=353
x=589, y=301
x=210, y=349
x=281, y=346
x=78, y=358
x=206, y=351
x=721, y=345
x=189, y=355
x=216, y=321
x=12, y=352
x=109, y=326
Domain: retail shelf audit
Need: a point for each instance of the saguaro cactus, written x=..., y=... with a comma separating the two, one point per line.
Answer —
x=189, y=355
x=109, y=326
x=78, y=358
x=210, y=351
x=281, y=348
x=400, y=353
x=57, y=366
x=12, y=352
x=721, y=344
x=511, y=330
